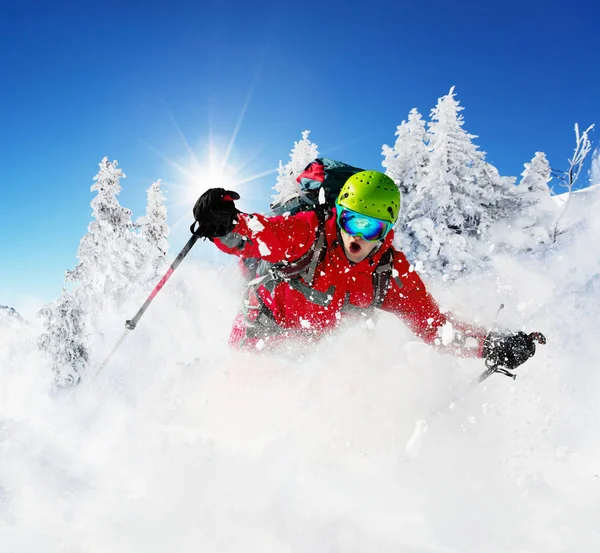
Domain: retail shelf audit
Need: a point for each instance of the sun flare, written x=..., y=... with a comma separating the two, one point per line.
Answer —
x=214, y=172
x=211, y=168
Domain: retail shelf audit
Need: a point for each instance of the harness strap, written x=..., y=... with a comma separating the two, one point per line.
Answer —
x=306, y=265
x=320, y=298
x=381, y=278
x=312, y=266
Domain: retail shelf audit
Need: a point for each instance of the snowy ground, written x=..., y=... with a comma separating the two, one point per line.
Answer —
x=237, y=452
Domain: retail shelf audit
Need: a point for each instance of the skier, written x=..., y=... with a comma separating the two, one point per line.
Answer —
x=319, y=266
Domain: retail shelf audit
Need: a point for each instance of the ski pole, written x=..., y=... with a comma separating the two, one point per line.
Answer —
x=131, y=323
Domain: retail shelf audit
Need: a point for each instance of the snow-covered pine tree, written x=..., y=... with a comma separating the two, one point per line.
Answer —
x=538, y=211
x=497, y=195
x=154, y=229
x=408, y=159
x=65, y=339
x=537, y=175
x=10, y=313
x=458, y=198
x=441, y=216
x=111, y=258
x=303, y=152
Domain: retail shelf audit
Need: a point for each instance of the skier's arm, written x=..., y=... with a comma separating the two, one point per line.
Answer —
x=274, y=239
x=408, y=298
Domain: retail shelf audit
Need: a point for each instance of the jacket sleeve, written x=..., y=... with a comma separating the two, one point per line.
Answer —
x=274, y=239
x=408, y=298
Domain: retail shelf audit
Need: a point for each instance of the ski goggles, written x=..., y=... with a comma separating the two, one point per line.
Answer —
x=366, y=227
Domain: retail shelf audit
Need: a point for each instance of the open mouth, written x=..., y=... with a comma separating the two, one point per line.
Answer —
x=354, y=247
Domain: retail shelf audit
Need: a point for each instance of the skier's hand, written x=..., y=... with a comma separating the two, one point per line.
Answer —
x=510, y=350
x=215, y=213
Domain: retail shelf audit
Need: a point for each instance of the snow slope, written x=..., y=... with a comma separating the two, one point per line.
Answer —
x=240, y=452
x=580, y=204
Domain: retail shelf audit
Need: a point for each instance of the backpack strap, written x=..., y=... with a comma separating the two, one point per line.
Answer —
x=306, y=266
x=381, y=278
x=312, y=266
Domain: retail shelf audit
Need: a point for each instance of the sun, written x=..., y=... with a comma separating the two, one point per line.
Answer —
x=210, y=168
x=216, y=164
x=213, y=172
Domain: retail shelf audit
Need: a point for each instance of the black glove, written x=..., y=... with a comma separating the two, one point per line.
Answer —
x=215, y=213
x=510, y=350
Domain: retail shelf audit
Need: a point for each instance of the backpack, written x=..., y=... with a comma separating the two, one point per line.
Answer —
x=319, y=186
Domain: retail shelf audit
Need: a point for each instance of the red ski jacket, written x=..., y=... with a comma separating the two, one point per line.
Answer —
x=339, y=286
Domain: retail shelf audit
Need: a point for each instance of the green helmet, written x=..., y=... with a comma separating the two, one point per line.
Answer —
x=371, y=193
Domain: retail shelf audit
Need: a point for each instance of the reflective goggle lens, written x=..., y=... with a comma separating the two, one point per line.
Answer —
x=355, y=224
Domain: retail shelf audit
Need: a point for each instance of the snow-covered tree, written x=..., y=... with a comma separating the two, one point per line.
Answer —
x=105, y=206
x=154, y=228
x=303, y=152
x=65, y=340
x=538, y=211
x=457, y=199
x=442, y=212
x=154, y=225
x=498, y=196
x=111, y=257
x=407, y=161
x=10, y=312
x=115, y=256
x=537, y=175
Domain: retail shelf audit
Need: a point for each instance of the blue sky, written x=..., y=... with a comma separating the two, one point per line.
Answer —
x=149, y=86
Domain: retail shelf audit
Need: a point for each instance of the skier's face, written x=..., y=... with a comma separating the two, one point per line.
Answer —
x=357, y=248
